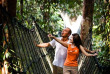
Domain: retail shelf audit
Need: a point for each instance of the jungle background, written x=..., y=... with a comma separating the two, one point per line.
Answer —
x=54, y=15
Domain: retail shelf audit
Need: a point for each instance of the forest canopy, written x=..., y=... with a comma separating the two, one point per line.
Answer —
x=47, y=14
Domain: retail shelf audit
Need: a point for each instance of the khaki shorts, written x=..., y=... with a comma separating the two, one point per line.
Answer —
x=70, y=70
x=57, y=70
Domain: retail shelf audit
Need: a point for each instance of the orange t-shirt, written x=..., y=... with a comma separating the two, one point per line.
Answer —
x=72, y=56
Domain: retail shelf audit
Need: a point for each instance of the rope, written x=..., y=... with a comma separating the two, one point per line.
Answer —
x=26, y=37
x=33, y=60
x=30, y=57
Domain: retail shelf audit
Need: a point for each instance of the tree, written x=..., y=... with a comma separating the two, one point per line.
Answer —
x=86, y=26
x=8, y=8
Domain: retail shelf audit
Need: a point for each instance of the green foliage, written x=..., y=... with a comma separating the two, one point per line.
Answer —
x=103, y=55
x=46, y=13
x=101, y=31
x=1, y=53
x=47, y=16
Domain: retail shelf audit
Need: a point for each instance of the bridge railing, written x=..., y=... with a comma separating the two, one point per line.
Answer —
x=32, y=60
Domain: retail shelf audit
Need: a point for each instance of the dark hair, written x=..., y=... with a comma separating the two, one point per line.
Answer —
x=77, y=40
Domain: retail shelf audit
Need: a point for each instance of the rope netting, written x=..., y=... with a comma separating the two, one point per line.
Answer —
x=90, y=65
x=38, y=60
x=32, y=60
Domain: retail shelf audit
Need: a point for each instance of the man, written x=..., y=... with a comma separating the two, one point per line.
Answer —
x=60, y=51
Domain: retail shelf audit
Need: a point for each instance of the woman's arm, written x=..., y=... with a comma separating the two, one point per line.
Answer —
x=85, y=53
x=93, y=51
x=58, y=40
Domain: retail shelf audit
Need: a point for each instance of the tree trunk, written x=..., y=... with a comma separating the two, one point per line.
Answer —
x=1, y=35
x=10, y=7
x=0, y=12
x=21, y=7
x=86, y=34
x=86, y=26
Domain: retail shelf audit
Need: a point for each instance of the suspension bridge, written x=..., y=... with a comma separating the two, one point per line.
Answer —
x=30, y=59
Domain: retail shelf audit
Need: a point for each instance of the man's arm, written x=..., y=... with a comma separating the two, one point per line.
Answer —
x=42, y=44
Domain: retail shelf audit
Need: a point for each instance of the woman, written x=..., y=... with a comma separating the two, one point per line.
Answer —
x=74, y=47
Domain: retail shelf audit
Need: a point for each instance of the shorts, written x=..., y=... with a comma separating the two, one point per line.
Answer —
x=70, y=70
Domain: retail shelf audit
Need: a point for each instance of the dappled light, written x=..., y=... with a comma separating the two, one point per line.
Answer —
x=23, y=22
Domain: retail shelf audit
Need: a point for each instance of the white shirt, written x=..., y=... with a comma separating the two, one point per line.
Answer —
x=60, y=53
